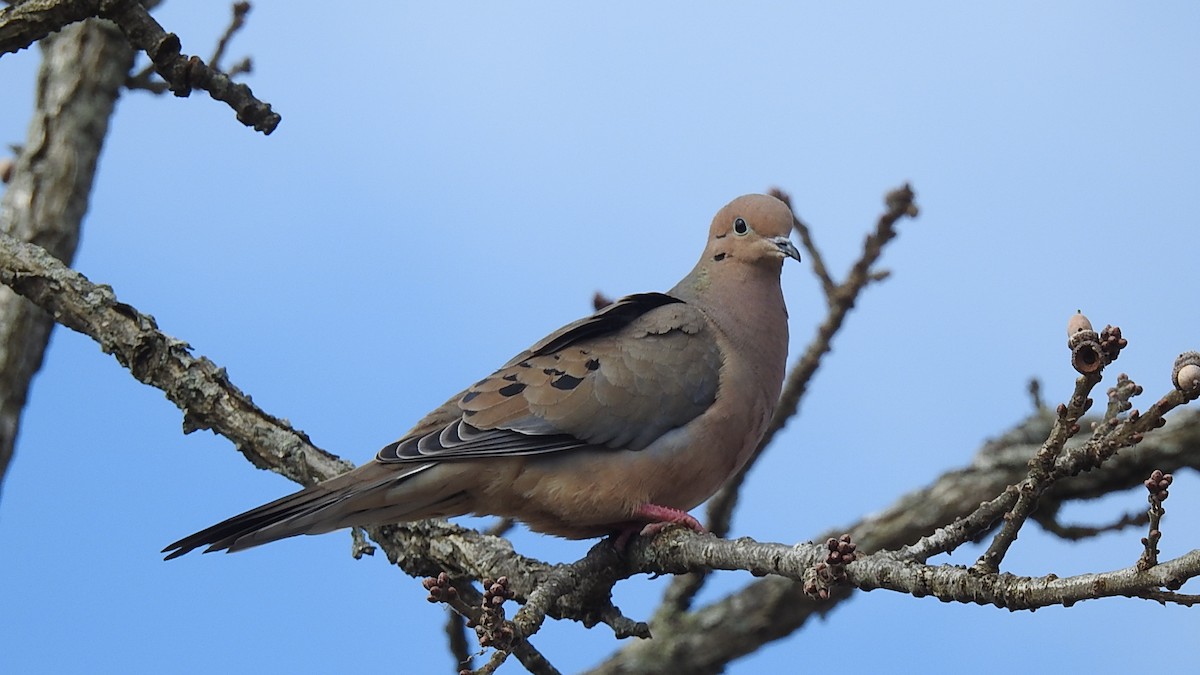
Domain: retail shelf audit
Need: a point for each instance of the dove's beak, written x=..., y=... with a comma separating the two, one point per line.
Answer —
x=786, y=247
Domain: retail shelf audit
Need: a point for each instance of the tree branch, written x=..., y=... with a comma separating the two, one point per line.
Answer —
x=209, y=400
x=240, y=10
x=1066, y=425
x=47, y=195
x=183, y=72
x=24, y=23
x=195, y=384
x=773, y=608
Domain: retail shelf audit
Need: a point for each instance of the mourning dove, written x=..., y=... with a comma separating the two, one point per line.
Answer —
x=619, y=422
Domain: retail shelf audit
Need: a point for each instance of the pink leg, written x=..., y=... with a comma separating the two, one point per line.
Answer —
x=654, y=519
x=658, y=517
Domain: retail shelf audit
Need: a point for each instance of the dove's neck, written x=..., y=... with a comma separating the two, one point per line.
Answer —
x=745, y=303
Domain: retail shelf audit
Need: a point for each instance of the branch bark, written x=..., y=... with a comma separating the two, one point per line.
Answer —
x=79, y=80
x=23, y=23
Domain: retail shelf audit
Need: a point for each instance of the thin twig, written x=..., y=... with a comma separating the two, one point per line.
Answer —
x=1157, y=484
x=949, y=537
x=1047, y=519
x=467, y=602
x=240, y=10
x=1066, y=425
x=1169, y=597
x=1035, y=394
x=1119, y=397
x=143, y=80
x=1075, y=460
x=816, y=260
x=240, y=67
x=456, y=638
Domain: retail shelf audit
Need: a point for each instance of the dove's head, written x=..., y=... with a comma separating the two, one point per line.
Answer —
x=752, y=229
x=748, y=240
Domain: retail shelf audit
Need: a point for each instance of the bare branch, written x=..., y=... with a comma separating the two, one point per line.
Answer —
x=952, y=582
x=195, y=384
x=1170, y=597
x=240, y=10
x=183, y=73
x=816, y=260
x=1157, y=484
x=1090, y=353
x=50, y=184
x=1066, y=425
x=145, y=80
x=460, y=648
x=1035, y=394
x=245, y=65
x=1047, y=518
x=689, y=551
x=479, y=611
x=773, y=608
x=24, y=23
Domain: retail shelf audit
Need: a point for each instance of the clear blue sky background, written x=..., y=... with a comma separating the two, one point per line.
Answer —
x=451, y=183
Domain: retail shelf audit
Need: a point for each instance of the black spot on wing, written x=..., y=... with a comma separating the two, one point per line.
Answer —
x=593, y=364
x=566, y=382
x=512, y=389
x=610, y=319
x=469, y=396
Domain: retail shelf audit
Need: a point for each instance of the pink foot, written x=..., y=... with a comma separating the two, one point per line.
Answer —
x=653, y=519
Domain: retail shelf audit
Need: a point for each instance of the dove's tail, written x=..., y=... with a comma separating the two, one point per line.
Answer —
x=369, y=494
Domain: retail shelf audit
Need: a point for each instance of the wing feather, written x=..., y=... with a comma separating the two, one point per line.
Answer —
x=598, y=382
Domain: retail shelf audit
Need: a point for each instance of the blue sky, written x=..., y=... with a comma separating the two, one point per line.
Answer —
x=451, y=183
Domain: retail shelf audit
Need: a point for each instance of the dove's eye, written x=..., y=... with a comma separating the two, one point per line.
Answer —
x=740, y=226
